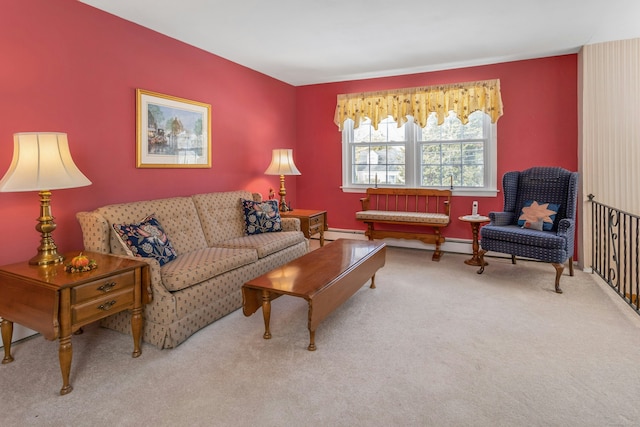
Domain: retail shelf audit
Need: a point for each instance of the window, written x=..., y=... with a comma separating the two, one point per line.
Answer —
x=434, y=156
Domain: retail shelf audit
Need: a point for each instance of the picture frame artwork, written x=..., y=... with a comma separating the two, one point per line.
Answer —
x=172, y=132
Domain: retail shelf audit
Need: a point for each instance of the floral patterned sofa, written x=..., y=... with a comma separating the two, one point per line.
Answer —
x=208, y=256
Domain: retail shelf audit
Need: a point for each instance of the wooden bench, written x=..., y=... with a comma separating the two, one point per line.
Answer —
x=406, y=207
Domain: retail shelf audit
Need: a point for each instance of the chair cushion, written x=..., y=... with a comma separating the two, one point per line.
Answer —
x=265, y=243
x=523, y=236
x=197, y=266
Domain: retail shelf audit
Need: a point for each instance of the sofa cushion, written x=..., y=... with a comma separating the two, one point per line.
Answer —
x=146, y=239
x=261, y=217
x=221, y=215
x=265, y=243
x=178, y=216
x=197, y=266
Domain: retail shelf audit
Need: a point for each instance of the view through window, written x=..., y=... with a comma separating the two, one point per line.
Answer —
x=451, y=154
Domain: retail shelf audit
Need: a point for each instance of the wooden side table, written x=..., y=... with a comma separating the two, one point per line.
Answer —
x=475, y=222
x=56, y=303
x=311, y=221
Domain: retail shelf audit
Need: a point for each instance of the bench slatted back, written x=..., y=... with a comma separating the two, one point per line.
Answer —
x=409, y=200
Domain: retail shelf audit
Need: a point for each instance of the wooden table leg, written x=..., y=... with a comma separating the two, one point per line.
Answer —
x=475, y=260
x=312, y=331
x=373, y=282
x=136, y=330
x=266, y=313
x=136, y=319
x=65, y=353
x=7, y=336
x=312, y=340
x=65, y=350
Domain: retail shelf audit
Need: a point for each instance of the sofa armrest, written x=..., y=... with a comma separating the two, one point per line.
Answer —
x=158, y=289
x=95, y=232
x=291, y=224
x=501, y=218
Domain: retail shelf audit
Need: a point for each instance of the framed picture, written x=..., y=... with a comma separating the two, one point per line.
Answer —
x=172, y=132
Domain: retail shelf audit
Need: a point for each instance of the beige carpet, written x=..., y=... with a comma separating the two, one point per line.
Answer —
x=434, y=345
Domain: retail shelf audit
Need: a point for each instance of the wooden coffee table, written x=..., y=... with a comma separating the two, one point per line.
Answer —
x=325, y=277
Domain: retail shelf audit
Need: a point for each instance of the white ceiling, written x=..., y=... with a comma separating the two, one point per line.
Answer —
x=318, y=41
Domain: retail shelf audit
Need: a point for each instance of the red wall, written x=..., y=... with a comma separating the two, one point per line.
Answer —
x=78, y=73
x=68, y=67
x=539, y=127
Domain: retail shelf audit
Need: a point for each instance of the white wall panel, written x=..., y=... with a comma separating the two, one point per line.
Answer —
x=609, y=116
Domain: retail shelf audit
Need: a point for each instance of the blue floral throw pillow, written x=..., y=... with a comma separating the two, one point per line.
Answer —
x=146, y=239
x=534, y=212
x=261, y=217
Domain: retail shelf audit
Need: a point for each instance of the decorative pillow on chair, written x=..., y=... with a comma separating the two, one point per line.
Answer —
x=534, y=225
x=533, y=212
x=261, y=217
x=146, y=239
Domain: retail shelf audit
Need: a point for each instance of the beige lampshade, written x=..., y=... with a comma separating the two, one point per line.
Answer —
x=41, y=161
x=282, y=163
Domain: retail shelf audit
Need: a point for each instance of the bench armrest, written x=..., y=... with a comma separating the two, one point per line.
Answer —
x=365, y=203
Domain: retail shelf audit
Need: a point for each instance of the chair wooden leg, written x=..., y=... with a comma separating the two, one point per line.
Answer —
x=481, y=253
x=513, y=259
x=571, y=266
x=559, y=270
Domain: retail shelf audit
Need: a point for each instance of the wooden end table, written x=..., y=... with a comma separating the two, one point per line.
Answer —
x=311, y=221
x=475, y=222
x=57, y=303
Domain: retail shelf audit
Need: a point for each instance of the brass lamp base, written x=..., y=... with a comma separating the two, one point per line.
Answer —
x=283, y=193
x=47, y=258
x=47, y=251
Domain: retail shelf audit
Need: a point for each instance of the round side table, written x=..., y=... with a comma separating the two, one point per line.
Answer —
x=475, y=222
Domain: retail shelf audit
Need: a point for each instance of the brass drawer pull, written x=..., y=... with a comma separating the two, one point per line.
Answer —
x=107, y=305
x=107, y=287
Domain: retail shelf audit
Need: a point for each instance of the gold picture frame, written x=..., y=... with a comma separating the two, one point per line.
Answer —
x=172, y=132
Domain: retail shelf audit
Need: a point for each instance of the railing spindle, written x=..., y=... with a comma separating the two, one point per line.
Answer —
x=615, y=250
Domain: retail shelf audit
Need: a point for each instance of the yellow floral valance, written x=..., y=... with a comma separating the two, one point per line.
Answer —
x=420, y=102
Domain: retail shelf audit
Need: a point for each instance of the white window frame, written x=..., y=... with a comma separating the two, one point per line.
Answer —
x=412, y=158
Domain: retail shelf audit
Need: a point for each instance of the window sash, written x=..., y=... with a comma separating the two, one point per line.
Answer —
x=414, y=165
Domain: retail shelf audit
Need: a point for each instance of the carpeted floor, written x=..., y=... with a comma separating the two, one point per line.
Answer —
x=434, y=345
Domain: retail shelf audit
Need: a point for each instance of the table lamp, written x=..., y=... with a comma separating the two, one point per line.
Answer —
x=282, y=164
x=42, y=162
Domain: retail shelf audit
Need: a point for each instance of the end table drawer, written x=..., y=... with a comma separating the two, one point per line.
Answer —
x=315, y=221
x=102, y=307
x=102, y=287
x=313, y=229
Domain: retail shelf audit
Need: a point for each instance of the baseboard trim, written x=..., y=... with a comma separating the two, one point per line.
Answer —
x=19, y=333
x=452, y=245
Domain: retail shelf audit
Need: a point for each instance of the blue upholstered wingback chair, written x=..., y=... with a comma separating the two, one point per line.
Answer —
x=551, y=185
